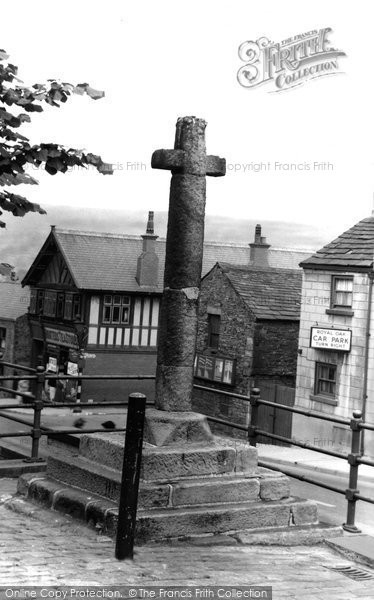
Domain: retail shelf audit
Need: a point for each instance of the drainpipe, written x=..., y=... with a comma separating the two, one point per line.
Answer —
x=366, y=362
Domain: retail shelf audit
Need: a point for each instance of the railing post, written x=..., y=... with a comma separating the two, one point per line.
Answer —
x=36, y=433
x=130, y=477
x=252, y=434
x=352, y=490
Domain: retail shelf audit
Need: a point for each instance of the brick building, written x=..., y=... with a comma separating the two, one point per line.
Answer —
x=335, y=372
x=14, y=330
x=248, y=331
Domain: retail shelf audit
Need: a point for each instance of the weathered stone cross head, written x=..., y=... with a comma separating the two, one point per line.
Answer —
x=189, y=154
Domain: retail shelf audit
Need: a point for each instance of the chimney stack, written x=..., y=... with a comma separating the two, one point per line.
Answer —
x=147, y=267
x=259, y=250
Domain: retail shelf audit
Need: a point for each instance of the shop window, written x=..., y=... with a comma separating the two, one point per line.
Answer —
x=215, y=368
x=214, y=324
x=325, y=380
x=341, y=292
x=116, y=309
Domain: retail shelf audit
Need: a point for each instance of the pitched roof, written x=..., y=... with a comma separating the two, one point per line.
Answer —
x=352, y=250
x=14, y=300
x=269, y=293
x=105, y=261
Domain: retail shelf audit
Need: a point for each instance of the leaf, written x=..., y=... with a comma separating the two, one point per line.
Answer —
x=81, y=88
x=3, y=55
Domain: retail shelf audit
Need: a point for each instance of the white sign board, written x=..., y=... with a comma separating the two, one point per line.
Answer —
x=52, y=364
x=330, y=339
x=72, y=368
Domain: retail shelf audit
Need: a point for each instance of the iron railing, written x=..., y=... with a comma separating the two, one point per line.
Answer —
x=135, y=420
x=133, y=440
x=354, y=458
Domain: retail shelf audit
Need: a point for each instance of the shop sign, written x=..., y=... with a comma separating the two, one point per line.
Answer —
x=72, y=368
x=52, y=364
x=60, y=337
x=323, y=338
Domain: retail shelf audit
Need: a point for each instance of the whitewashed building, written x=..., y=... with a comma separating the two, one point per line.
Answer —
x=335, y=371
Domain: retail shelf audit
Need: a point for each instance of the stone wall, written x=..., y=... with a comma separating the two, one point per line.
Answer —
x=262, y=349
x=275, y=351
x=235, y=342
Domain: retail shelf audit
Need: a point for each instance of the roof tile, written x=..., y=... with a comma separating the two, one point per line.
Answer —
x=352, y=249
x=270, y=293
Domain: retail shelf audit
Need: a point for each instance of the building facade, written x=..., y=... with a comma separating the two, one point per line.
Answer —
x=14, y=330
x=101, y=293
x=248, y=330
x=335, y=372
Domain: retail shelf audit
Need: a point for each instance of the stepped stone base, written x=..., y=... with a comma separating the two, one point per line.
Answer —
x=170, y=522
x=193, y=484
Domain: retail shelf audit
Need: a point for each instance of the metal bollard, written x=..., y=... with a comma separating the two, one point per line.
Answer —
x=252, y=434
x=130, y=477
x=353, y=472
x=36, y=432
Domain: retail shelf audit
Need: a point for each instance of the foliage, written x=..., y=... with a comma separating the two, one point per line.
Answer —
x=16, y=151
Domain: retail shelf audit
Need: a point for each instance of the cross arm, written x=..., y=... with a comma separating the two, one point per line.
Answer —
x=167, y=159
x=215, y=166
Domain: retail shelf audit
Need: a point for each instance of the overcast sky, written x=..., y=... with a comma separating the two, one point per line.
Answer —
x=160, y=60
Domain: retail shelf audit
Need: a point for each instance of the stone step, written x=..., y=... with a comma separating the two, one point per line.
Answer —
x=82, y=473
x=165, y=462
x=172, y=522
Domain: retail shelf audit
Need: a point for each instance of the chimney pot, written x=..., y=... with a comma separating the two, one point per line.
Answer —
x=147, y=267
x=150, y=223
x=259, y=250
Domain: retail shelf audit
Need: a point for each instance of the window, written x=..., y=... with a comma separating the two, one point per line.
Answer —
x=325, y=380
x=60, y=305
x=40, y=302
x=219, y=369
x=50, y=301
x=214, y=323
x=63, y=305
x=2, y=338
x=341, y=292
x=68, y=308
x=77, y=307
x=116, y=309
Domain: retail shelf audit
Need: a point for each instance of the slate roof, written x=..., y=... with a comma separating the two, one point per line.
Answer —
x=269, y=293
x=14, y=300
x=352, y=250
x=105, y=261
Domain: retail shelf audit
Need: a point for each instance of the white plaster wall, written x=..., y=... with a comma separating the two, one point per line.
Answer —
x=350, y=374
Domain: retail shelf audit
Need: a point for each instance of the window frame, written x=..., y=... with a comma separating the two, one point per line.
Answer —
x=333, y=304
x=110, y=302
x=215, y=360
x=3, y=336
x=318, y=379
x=214, y=330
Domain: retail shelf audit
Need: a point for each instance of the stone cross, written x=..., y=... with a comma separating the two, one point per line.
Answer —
x=189, y=165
